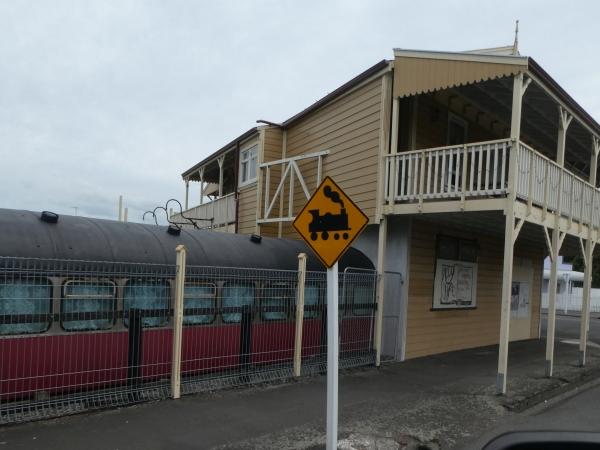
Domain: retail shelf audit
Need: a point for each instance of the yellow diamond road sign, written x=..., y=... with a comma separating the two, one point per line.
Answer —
x=330, y=222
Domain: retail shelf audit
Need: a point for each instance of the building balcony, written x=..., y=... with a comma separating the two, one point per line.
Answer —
x=218, y=214
x=481, y=176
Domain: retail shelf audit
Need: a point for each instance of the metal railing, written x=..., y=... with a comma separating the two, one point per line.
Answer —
x=79, y=335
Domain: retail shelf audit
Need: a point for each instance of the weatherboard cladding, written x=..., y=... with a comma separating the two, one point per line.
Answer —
x=431, y=332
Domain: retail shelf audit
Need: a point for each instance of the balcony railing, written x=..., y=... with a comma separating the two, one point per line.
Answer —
x=481, y=170
x=216, y=213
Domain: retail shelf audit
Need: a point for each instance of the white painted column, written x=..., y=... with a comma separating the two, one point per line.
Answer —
x=588, y=260
x=381, y=247
x=510, y=234
x=551, y=325
x=187, y=194
x=585, y=306
x=220, y=161
x=394, y=149
x=201, y=174
x=120, y=208
x=557, y=237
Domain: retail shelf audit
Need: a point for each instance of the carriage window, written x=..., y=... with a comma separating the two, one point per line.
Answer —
x=311, y=299
x=277, y=295
x=146, y=294
x=236, y=295
x=363, y=299
x=25, y=297
x=93, y=302
x=199, y=296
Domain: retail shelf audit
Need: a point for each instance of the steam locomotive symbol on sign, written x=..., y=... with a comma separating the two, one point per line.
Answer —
x=328, y=222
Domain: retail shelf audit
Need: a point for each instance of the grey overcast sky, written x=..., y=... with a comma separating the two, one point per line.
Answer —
x=101, y=98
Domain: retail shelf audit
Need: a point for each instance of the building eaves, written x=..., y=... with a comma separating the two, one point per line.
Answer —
x=539, y=72
x=462, y=56
x=222, y=150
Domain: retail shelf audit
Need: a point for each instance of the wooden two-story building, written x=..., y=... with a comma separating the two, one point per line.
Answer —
x=472, y=167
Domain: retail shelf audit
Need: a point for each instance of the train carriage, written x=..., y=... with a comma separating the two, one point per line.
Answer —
x=86, y=305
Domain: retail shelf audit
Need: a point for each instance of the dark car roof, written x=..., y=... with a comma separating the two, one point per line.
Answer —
x=24, y=234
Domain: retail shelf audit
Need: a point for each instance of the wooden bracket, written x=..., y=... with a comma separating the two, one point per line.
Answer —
x=518, y=229
x=561, y=238
x=548, y=243
x=582, y=247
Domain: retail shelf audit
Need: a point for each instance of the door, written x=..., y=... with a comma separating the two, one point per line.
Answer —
x=520, y=300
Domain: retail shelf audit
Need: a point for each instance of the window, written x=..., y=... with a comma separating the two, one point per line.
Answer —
x=236, y=295
x=311, y=300
x=248, y=165
x=363, y=299
x=25, y=297
x=146, y=294
x=199, y=296
x=279, y=296
x=455, y=249
x=84, y=298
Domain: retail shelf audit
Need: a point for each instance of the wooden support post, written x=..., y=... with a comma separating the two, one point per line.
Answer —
x=120, y=208
x=178, y=322
x=187, y=194
x=221, y=161
x=299, y=314
x=550, y=330
x=585, y=304
x=510, y=234
x=463, y=177
x=557, y=239
x=594, y=160
x=393, y=176
x=201, y=173
x=281, y=172
x=381, y=247
x=507, y=269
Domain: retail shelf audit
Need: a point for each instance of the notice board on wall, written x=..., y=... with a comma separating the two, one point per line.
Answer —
x=455, y=284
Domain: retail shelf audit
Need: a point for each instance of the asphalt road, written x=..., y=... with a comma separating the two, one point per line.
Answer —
x=576, y=413
x=445, y=399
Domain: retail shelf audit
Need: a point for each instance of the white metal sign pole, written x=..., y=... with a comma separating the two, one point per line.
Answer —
x=332, y=356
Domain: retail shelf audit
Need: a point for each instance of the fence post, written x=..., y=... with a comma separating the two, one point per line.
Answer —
x=178, y=322
x=299, y=313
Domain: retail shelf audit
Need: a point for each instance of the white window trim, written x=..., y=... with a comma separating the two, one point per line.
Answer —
x=250, y=180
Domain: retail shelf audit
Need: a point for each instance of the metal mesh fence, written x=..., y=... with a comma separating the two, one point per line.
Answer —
x=79, y=335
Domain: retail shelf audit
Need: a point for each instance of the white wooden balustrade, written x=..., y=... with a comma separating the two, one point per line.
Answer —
x=481, y=170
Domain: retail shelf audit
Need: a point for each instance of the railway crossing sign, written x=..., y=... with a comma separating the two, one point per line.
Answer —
x=329, y=222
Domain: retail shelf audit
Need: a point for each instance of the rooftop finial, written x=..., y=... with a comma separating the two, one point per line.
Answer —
x=516, y=43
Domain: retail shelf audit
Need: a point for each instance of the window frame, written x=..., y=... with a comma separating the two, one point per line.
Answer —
x=230, y=283
x=164, y=282
x=63, y=296
x=213, y=296
x=245, y=164
x=363, y=284
x=50, y=286
x=284, y=285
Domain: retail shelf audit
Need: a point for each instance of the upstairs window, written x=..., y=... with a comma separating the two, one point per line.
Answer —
x=248, y=164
